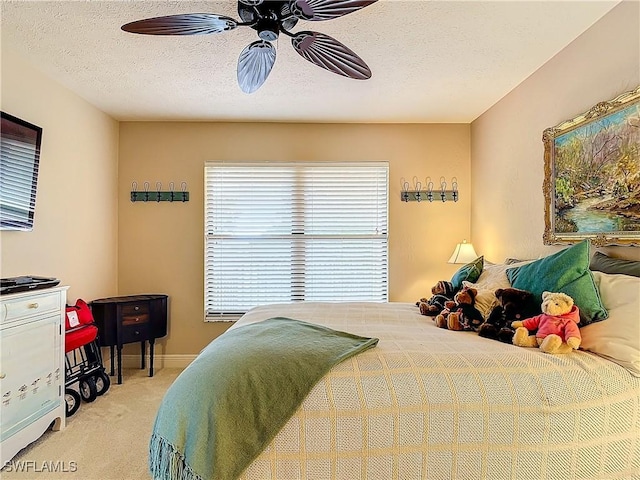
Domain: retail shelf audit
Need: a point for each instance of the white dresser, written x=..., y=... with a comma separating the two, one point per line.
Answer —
x=32, y=367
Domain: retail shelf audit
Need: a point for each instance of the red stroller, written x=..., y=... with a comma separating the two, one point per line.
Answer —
x=83, y=358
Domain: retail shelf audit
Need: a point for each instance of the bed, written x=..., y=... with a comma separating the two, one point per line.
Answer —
x=428, y=403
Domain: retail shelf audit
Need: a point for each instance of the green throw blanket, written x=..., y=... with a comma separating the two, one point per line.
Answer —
x=224, y=409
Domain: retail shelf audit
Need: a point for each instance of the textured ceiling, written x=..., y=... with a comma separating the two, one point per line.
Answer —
x=432, y=60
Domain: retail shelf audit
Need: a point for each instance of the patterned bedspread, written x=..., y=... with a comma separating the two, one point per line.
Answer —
x=434, y=404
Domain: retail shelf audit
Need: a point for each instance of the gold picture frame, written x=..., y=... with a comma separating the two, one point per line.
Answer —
x=592, y=175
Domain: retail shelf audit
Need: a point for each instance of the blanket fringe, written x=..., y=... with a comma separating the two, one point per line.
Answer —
x=167, y=463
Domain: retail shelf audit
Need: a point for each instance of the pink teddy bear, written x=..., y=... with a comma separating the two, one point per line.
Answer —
x=557, y=326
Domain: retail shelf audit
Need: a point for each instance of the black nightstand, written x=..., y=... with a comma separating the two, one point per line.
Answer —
x=128, y=319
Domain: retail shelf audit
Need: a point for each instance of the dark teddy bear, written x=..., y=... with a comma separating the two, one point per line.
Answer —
x=443, y=292
x=461, y=313
x=515, y=304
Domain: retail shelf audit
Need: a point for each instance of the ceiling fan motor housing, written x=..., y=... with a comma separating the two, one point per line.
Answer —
x=268, y=17
x=268, y=29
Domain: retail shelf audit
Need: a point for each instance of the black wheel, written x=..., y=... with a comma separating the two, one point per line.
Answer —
x=88, y=390
x=72, y=399
x=102, y=383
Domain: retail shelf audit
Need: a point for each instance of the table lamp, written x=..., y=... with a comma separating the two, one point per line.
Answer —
x=463, y=253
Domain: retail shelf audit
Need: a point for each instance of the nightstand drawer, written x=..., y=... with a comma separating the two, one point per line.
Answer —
x=135, y=333
x=134, y=309
x=135, y=319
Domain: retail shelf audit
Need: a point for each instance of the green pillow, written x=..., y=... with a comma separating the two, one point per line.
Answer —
x=614, y=266
x=470, y=272
x=566, y=271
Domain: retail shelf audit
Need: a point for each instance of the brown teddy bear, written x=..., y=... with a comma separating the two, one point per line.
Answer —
x=443, y=292
x=514, y=304
x=557, y=326
x=461, y=314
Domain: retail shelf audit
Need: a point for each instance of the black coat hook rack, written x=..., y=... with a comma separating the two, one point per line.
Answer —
x=429, y=194
x=159, y=195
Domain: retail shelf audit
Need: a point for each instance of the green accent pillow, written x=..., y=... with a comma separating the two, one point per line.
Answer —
x=470, y=273
x=566, y=271
x=606, y=264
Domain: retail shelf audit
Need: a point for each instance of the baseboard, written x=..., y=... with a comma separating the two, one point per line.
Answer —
x=159, y=361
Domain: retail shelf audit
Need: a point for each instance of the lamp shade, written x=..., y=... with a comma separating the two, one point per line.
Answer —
x=464, y=253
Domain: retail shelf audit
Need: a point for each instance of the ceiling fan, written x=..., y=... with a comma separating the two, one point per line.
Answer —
x=270, y=18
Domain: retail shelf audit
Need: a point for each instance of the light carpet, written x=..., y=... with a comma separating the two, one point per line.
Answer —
x=107, y=439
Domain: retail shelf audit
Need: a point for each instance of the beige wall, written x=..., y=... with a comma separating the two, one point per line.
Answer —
x=161, y=244
x=507, y=212
x=90, y=235
x=75, y=231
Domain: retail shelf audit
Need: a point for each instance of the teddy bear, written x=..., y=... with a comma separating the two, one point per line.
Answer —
x=461, y=313
x=514, y=304
x=557, y=326
x=443, y=292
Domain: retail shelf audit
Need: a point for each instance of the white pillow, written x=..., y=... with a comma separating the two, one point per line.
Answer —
x=494, y=276
x=618, y=337
x=485, y=300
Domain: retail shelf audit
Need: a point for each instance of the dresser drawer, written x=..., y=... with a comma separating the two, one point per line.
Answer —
x=22, y=307
x=135, y=333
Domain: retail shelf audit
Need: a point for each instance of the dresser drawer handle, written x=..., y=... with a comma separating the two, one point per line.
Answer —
x=3, y=375
x=33, y=305
x=136, y=308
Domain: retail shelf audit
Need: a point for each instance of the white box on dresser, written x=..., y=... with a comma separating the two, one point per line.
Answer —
x=32, y=367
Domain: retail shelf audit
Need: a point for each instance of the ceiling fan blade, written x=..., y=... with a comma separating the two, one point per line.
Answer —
x=327, y=52
x=184, y=24
x=316, y=10
x=254, y=65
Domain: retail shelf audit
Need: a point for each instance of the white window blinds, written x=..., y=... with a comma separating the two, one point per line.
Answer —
x=282, y=232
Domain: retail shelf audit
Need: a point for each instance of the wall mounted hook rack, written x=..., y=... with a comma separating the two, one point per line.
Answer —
x=429, y=193
x=159, y=195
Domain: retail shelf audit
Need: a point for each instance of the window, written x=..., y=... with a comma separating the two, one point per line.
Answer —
x=283, y=232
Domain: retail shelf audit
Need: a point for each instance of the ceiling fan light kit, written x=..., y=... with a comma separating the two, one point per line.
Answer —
x=270, y=18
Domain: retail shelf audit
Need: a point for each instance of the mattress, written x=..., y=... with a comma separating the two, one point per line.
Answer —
x=429, y=403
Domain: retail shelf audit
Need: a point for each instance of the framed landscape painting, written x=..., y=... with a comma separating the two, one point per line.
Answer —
x=592, y=175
